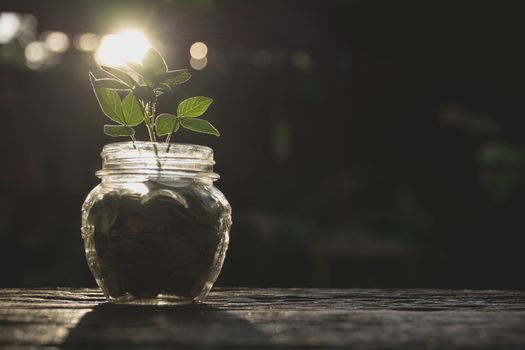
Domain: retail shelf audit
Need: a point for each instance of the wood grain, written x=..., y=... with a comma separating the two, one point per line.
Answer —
x=267, y=319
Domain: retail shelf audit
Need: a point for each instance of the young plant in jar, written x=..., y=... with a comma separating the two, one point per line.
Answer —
x=155, y=229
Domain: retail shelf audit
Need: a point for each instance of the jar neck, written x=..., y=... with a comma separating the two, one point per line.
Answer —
x=141, y=161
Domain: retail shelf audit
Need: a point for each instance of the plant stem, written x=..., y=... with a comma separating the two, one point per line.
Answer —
x=151, y=132
x=153, y=105
x=147, y=121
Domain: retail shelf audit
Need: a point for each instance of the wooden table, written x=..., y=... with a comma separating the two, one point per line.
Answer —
x=267, y=319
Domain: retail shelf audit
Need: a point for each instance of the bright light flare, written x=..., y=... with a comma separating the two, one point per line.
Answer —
x=116, y=49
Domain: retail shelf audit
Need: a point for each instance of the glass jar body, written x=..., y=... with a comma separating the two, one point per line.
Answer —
x=154, y=237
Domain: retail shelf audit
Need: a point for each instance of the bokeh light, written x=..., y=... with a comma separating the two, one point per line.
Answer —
x=36, y=53
x=57, y=42
x=301, y=60
x=27, y=32
x=86, y=42
x=116, y=49
x=261, y=58
x=198, y=64
x=26, y=37
x=198, y=50
x=10, y=25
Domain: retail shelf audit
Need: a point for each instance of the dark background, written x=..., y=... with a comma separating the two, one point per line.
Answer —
x=365, y=143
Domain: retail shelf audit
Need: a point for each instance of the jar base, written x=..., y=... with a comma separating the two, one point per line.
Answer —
x=161, y=299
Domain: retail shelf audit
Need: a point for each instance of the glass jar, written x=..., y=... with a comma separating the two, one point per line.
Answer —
x=156, y=229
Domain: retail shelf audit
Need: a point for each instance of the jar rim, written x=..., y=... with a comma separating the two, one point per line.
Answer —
x=153, y=158
x=142, y=148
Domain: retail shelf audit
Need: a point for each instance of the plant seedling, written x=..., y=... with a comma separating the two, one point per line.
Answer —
x=139, y=104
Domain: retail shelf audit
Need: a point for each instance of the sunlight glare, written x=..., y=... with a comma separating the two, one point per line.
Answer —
x=116, y=49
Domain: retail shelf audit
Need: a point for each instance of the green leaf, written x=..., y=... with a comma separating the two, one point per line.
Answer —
x=147, y=73
x=120, y=75
x=179, y=79
x=145, y=93
x=110, y=83
x=109, y=102
x=118, y=130
x=165, y=87
x=153, y=59
x=166, y=124
x=136, y=67
x=173, y=75
x=193, y=107
x=199, y=125
x=149, y=77
x=162, y=89
x=132, y=110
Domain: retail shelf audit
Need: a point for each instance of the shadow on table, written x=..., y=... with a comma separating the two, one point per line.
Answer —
x=180, y=327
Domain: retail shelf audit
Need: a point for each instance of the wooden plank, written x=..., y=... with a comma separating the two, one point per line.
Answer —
x=267, y=319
